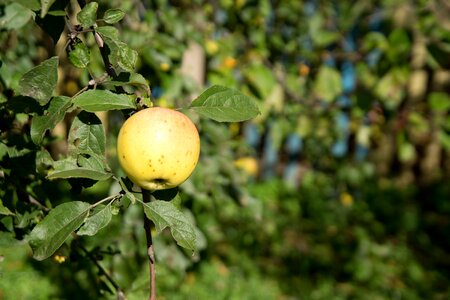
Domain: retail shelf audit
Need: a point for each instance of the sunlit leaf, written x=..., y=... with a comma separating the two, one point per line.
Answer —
x=261, y=78
x=225, y=105
x=103, y=100
x=53, y=115
x=4, y=210
x=96, y=222
x=30, y=4
x=439, y=102
x=88, y=15
x=328, y=84
x=87, y=134
x=51, y=233
x=113, y=16
x=79, y=56
x=93, y=167
x=108, y=32
x=15, y=16
x=165, y=214
x=45, y=6
x=40, y=82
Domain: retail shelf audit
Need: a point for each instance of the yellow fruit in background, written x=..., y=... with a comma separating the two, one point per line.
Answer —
x=248, y=164
x=158, y=148
x=303, y=69
x=229, y=62
x=346, y=199
x=164, y=66
x=212, y=47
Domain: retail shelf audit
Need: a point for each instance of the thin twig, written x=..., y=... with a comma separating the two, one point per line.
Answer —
x=109, y=198
x=104, y=52
x=148, y=224
x=120, y=294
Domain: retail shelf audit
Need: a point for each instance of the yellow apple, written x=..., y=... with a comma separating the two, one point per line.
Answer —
x=248, y=164
x=158, y=148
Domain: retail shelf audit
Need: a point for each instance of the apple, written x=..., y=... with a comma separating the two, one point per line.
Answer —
x=158, y=148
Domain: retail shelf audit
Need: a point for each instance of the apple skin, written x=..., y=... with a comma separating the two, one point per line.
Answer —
x=158, y=148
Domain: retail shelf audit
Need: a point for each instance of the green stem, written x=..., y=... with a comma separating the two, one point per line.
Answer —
x=110, y=198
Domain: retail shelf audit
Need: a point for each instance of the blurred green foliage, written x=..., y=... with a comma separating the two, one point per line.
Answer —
x=338, y=190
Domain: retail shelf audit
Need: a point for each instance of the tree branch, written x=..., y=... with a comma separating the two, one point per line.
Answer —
x=120, y=294
x=148, y=224
x=104, y=52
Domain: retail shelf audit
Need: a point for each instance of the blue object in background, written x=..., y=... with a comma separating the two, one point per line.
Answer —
x=348, y=81
x=157, y=91
x=294, y=146
x=344, y=101
x=361, y=152
x=373, y=57
x=270, y=155
x=348, y=76
x=251, y=135
x=330, y=61
x=340, y=148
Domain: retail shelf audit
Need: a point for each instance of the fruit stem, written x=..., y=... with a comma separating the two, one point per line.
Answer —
x=148, y=224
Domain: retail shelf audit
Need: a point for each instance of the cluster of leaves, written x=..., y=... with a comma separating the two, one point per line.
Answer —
x=354, y=118
x=31, y=108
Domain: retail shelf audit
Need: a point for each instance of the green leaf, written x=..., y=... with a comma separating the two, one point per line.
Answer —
x=325, y=38
x=133, y=79
x=102, y=100
x=261, y=78
x=4, y=210
x=223, y=104
x=15, y=16
x=406, y=152
x=94, y=162
x=444, y=138
x=165, y=214
x=328, y=84
x=130, y=196
x=110, y=32
x=7, y=240
x=87, y=135
x=45, y=6
x=320, y=35
x=439, y=102
x=121, y=55
x=43, y=161
x=71, y=167
x=47, y=236
x=40, y=82
x=31, y=4
x=96, y=222
x=125, y=57
x=391, y=87
x=52, y=116
x=88, y=15
x=80, y=55
x=113, y=16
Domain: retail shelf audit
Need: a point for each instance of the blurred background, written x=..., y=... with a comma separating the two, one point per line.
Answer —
x=340, y=189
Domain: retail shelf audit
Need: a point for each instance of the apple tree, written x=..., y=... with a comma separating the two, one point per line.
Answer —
x=83, y=39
